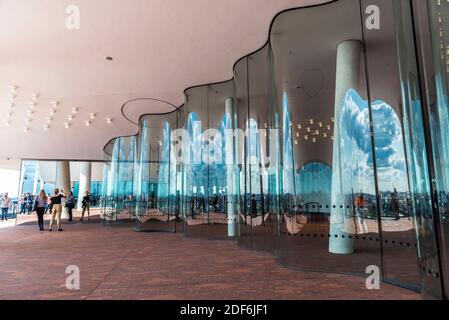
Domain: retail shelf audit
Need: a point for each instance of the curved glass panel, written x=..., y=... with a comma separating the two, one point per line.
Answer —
x=327, y=181
x=315, y=151
x=157, y=169
x=209, y=166
x=434, y=16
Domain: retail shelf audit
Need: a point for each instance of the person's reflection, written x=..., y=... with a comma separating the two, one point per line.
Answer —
x=254, y=206
x=359, y=207
x=395, y=204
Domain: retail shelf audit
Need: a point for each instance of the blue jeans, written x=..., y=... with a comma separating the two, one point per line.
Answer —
x=5, y=213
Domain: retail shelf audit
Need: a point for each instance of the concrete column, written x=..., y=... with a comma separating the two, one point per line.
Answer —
x=230, y=166
x=85, y=178
x=347, y=77
x=36, y=178
x=63, y=180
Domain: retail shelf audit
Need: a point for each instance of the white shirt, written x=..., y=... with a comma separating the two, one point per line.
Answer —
x=6, y=202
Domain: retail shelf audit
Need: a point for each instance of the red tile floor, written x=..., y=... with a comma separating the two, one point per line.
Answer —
x=118, y=263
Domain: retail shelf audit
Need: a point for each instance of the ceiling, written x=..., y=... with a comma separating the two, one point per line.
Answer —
x=159, y=48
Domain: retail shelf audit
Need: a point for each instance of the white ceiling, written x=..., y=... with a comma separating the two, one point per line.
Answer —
x=159, y=48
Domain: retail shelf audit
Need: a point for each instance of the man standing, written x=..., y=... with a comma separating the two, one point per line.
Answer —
x=6, y=203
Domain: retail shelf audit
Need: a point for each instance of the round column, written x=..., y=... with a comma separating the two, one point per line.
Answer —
x=63, y=181
x=230, y=181
x=347, y=77
x=84, y=182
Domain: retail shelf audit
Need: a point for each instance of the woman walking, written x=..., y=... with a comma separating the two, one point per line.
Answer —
x=56, y=208
x=40, y=205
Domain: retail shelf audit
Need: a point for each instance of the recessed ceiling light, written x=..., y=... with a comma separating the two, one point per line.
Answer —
x=70, y=117
x=87, y=123
x=46, y=128
x=67, y=125
x=13, y=88
x=109, y=120
x=26, y=129
x=92, y=115
x=74, y=110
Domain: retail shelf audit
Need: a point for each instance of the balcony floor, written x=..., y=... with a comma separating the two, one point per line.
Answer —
x=117, y=263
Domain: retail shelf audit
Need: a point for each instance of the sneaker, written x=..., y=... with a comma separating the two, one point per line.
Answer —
x=60, y=229
x=50, y=230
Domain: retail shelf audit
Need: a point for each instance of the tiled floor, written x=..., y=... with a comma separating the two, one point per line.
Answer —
x=118, y=263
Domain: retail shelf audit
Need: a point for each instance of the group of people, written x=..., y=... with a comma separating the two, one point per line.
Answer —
x=26, y=203
x=44, y=203
x=56, y=207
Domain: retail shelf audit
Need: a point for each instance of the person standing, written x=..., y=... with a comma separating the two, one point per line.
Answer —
x=22, y=204
x=40, y=205
x=29, y=203
x=48, y=207
x=254, y=206
x=70, y=204
x=359, y=207
x=395, y=204
x=86, y=206
x=6, y=203
x=56, y=208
